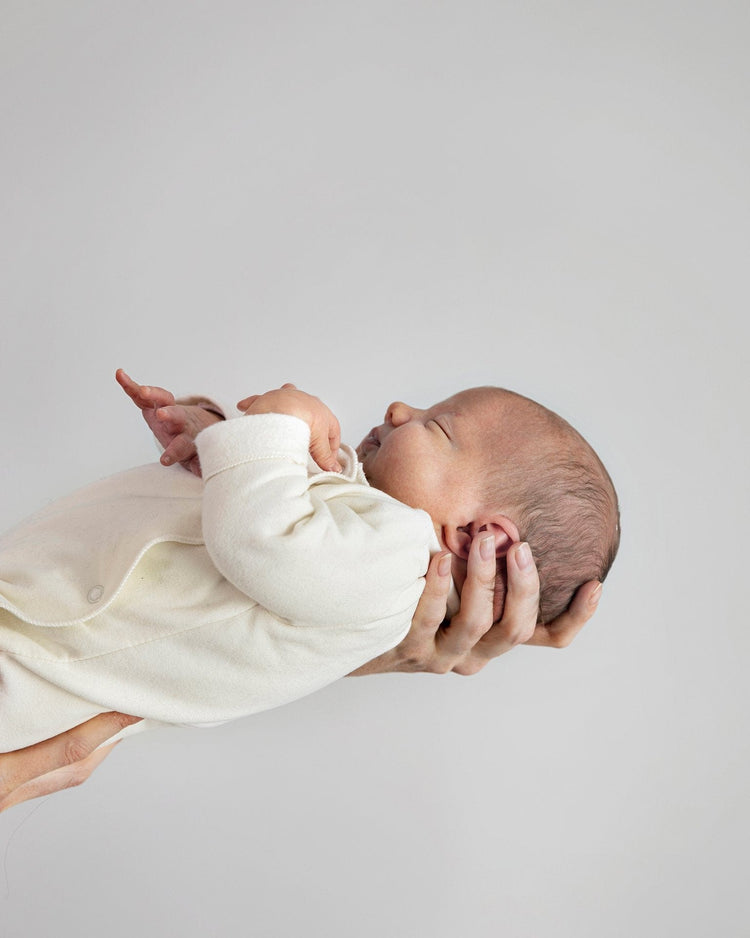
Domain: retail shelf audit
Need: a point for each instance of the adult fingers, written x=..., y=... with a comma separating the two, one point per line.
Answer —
x=65, y=777
x=75, y=745
x=416, y=651
x=475, y=614
x=418, y=648
x=432, y=607
x=561, y=631
x=521, y=609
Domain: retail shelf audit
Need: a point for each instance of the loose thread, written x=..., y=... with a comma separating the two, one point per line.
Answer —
x=10, y=841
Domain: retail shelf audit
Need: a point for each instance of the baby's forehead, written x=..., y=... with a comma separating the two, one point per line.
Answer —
x=478, y=400
x=514, y=417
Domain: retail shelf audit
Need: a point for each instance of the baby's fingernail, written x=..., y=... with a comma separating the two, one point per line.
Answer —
x=444, y=565
x=523, y=556
x=596, y=595
x=487, y=548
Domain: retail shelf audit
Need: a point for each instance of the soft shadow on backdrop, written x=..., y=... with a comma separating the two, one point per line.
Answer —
x=384, y=200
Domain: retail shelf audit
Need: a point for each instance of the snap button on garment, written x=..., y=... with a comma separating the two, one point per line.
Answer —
x=95, y=594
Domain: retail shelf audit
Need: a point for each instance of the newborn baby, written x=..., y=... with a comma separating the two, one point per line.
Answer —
x=198, y=601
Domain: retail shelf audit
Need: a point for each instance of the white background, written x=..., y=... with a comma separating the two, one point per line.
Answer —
x=397, y=199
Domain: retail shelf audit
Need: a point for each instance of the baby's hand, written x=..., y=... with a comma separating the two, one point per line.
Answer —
x=174, y=425
x=325, y=434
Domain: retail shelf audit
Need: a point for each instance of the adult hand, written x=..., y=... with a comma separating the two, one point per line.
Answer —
x=62, y=762
x=470, y=640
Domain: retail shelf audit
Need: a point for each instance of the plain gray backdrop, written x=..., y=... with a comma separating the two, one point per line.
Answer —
x=387, y=200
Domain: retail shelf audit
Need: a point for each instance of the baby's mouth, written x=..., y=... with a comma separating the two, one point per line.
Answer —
x=370, y=441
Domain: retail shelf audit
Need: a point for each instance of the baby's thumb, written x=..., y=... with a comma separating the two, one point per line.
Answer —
x=321, y=453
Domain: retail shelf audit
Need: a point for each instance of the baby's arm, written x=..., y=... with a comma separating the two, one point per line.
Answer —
x=175, y=425
x=321, y=549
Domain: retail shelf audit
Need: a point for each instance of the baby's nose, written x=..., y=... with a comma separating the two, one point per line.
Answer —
x=398, y=413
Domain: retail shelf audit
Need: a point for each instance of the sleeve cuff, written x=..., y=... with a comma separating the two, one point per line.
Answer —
x=257, y=436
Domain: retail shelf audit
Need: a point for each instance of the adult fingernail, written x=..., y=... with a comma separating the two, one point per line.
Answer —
x=596, y=595
x=444, y=566
x=487, y=548
x=523, y=556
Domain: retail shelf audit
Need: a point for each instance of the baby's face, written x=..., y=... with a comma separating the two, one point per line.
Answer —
x=432, y=459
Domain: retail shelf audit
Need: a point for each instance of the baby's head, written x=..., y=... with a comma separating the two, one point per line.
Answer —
x=490, y=460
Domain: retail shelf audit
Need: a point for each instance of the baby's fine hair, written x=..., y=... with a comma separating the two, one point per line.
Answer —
x=554, y=487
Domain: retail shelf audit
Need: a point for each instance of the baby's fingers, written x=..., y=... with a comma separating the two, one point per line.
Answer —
x=141, y=394
x=247, y=401
x=130, y=387
x=325, y=438
x=334, y=442
x=181, y=449
x=172, y=418
x=324, y=456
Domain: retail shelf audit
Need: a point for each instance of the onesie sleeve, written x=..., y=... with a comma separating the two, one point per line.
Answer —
x=316, y=550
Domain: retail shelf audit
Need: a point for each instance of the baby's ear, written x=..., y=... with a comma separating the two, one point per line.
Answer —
x=505, y=532
x=458, y=542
